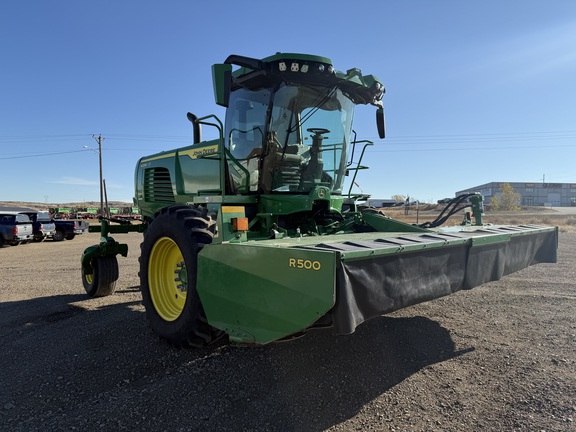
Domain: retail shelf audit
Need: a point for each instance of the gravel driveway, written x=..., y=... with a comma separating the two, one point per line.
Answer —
x=501, y=357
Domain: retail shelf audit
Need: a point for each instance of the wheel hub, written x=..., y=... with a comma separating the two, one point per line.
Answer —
x=181, y=279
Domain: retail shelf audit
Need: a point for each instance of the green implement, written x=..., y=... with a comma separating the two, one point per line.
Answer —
x=258, y=292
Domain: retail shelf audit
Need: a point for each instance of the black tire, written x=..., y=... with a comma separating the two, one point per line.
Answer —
x=2, y=242
x=102, y=282
x=58, y=235
x=69, y=236
x=170, y=246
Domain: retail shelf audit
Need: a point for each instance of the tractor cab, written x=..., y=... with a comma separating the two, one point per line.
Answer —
x=289, y=121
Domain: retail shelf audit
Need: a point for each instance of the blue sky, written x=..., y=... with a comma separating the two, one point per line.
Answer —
x=475, y=91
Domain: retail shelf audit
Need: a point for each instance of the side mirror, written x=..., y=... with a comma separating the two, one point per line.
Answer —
x=221, y=79
x=380, y=122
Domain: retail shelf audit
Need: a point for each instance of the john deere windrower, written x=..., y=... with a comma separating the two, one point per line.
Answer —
x=253, y=235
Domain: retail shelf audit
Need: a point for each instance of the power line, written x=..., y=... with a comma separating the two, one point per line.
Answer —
x=480, y=137
x=541, y=133
x=83, y=136
x=42, y=155
x=408, y=142
x=41, y=138
x=433, y=139
x=372, y=150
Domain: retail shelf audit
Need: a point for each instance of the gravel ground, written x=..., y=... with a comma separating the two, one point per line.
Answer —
x=498, y=358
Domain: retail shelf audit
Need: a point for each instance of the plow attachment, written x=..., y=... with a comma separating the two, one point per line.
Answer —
x=269, y=290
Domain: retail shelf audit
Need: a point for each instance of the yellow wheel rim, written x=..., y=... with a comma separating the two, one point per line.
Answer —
x=89, y=278
x=167, y=279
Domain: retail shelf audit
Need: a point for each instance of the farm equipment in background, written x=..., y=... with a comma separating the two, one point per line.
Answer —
x=253, y=236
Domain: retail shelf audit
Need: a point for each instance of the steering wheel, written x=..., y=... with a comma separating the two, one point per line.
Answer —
x=318, y=131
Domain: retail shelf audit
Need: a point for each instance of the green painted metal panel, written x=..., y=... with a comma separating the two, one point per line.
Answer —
x=226, y=230
x=177, y=176
x=224, y=199
x=280, y=204
x=199, y=169
x=385, y=224
x=258, y=294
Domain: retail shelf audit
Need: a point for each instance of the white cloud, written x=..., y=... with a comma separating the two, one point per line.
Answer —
x=75, y=181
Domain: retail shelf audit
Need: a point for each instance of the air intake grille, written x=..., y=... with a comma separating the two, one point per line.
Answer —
x=157, y=186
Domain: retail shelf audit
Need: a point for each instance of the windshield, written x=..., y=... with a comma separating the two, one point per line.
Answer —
x=311, y=127
x=43, y=217
x=7, y=219
x=22, y=218
x=299, y=144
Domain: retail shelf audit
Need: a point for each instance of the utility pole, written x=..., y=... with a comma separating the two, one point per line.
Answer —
x=99, y=140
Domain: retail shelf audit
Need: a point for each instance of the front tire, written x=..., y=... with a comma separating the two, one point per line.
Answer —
x=102, y=281
x=168, y=269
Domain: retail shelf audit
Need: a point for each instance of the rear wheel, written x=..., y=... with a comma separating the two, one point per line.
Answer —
x=168, y=269
x=58, y=235
x=70, y=236
x=102, y=281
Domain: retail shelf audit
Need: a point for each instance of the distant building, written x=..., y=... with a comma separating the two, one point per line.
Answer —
x=533, y=194
x=380, y=202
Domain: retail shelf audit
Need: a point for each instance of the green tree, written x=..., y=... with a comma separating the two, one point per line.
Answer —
x=508, y=199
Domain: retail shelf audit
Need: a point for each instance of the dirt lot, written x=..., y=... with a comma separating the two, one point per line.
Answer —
x=501, y=357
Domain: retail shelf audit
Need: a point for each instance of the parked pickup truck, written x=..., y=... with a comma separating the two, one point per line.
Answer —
x=68, y=229
x=42, y=224
x=63, y=228
x=15, y=228
x=57, y=229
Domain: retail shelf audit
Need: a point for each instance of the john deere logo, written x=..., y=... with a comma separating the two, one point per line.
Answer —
x=203, y=152
x=196, y=153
